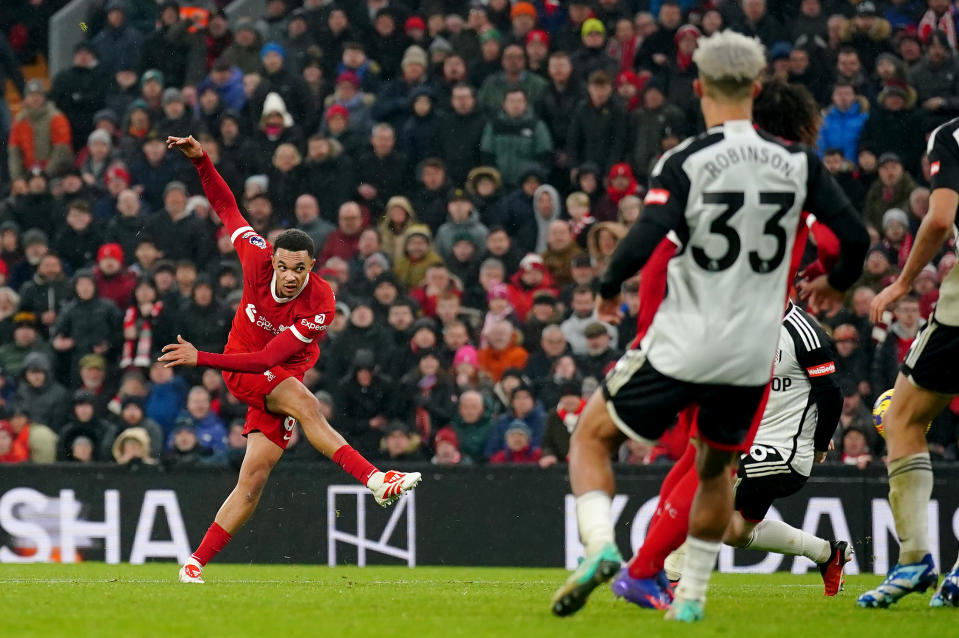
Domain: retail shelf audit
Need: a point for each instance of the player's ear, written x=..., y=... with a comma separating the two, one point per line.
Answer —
x=312, y=264
x=757, y=88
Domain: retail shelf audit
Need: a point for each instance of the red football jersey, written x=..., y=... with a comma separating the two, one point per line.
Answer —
x=262, y=315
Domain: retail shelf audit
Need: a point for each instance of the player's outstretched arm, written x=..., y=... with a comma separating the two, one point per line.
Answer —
x=215, y=189
x=278, y=350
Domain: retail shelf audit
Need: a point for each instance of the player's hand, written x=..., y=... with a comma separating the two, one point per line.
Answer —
x=885, y=298
x=548, y=460
x=608, y=310
x=181, y=353
x=821, y=296
x=819, y=457
x=186, y=145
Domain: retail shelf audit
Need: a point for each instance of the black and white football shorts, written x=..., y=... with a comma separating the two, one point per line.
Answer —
x=764, y=476
x=932, y=362
x=644, y=403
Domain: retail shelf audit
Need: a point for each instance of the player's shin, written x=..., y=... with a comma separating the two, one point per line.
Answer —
x=593, y=516
x=910, y=488
x=669, y=530
x=776, y=536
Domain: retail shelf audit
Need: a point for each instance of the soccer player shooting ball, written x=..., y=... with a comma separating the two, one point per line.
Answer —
x=284, y=311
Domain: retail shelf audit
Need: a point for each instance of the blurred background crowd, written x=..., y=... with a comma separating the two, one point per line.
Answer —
x=466, y=170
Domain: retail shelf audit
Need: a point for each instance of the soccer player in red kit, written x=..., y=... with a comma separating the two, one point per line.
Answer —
x=285, y=310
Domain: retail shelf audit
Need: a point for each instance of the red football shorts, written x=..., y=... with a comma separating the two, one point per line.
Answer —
x=252, y=389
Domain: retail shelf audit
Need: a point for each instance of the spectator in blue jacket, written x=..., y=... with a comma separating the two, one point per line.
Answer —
x=844, y=121
x=227, y=81
x=210, y=431
x=523, y=407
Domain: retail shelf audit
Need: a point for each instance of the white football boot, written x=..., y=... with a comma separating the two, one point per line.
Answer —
x=192, y=572
x=388, y=487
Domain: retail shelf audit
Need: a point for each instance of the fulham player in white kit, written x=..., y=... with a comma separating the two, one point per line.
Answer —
x=730, y=199
x=928, y=380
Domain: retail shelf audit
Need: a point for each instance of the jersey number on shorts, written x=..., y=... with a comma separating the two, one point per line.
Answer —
x=733, y=201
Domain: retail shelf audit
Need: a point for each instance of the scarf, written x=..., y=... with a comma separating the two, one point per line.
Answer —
x=570, y=419
x=137, y=351
x=683, y=60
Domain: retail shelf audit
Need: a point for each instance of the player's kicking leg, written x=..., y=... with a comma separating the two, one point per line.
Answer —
x=261, y=455
x=781, y=538
x=293, y=398
x=910, y=488
x=591, y=476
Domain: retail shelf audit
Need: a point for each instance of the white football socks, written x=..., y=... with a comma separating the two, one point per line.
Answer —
x=776, y=536
x=697, y=567
x=910, y=488
x=593, y=513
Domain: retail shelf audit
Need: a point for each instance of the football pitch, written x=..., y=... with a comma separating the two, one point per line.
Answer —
x=98, y=600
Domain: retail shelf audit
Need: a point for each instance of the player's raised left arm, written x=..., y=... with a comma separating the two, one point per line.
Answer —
x=215, y=189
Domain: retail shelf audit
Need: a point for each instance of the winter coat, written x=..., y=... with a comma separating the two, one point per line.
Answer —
x=456, y=141
x=493, y=91
x=542, y=221
x=185, y=238
x=356, y=405
x=430, y=204
x=338, y=357
x=558, y=107
x=46, y=404
x=39, y=137
x=206, y=327
x=77, y=249
x=586, y=60
x=393, y=104
x=332, y=181
x=411, y=273
x=210, y=431
x=513, y=144
x=117, y=48
x=100, y=432
x=390, y=174
x=125, y=231
x=473, y=436
x=528, y=455
x=79, y=94
x=841, y=129
x=559, y=262
x=292, y=88
x=448, y=232
x=90, y=323
x=38, y=296
x=177, y=52
x=878, y=202
x=416, y=136
x=164, y=402
x=495, y=362
x=535, y=420
x=573, y=329
x=895, y=131
x=118, y=288
x=646, y=130
x=231, y=92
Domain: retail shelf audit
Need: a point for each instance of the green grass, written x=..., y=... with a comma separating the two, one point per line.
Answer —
x=100, y=600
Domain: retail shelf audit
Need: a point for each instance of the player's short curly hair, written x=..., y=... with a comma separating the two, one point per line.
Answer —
x=295, y=240
x=788, y=111
x=729, y=63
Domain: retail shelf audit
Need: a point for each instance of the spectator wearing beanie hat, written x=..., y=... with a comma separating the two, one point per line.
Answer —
x=447, y=447
x=393, y=103
x=592, y=56
x=926, y=286
x=524, y=408
x=415, y=30
x=357, y=103
x=532, y=277
x=891, y=190
x=536, y=44
x=114, y=282
x=896, y=240
x=522, y=18
x=277, y=78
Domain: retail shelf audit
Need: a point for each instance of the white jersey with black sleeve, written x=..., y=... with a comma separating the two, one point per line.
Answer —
x=804, y=399
x=734, y=196
x=943, y=151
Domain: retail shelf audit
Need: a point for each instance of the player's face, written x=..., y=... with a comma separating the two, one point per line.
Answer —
x=291, y=268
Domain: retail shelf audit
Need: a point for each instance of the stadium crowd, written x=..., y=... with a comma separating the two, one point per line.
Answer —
x=465, y=169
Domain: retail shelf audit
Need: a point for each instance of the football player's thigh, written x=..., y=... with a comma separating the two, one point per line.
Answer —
x=596, y=423
x=913, y=405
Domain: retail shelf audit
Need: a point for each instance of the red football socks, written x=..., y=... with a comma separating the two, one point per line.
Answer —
x=213, y=541
x=354, y=463
x=676, y=472
x=669, y=529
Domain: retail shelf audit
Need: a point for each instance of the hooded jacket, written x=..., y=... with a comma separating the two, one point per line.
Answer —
x=44, y=404
x=542, y=223
x=39, y=137
x=448, y=232
x=392, y=239
x=411, y=273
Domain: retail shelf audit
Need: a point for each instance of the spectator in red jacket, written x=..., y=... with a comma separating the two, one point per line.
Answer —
x=40, y=136
x=519, y=449
x=532, y=277
x=114, y=282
